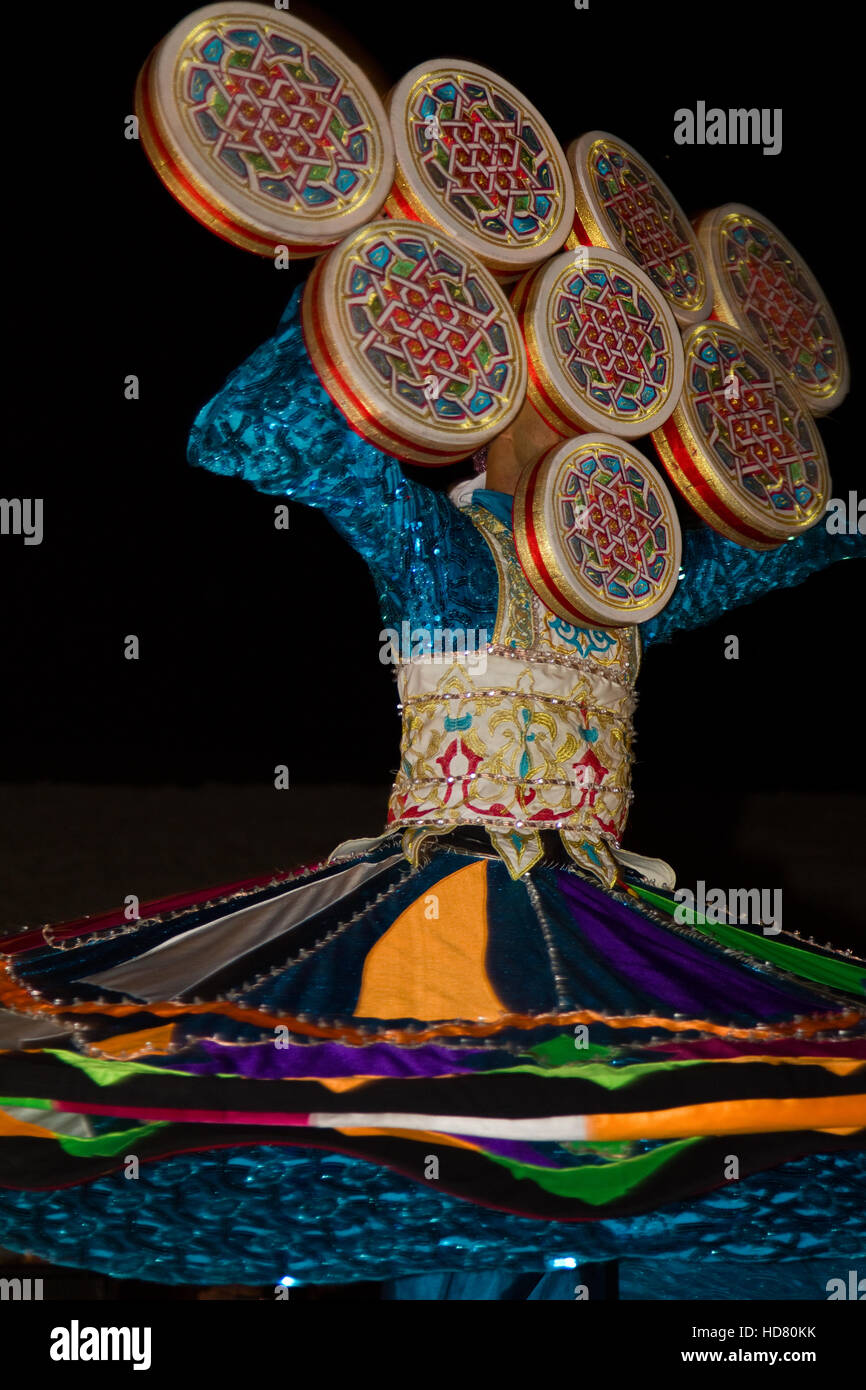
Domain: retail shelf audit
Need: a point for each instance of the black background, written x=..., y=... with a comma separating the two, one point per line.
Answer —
x=261, y=647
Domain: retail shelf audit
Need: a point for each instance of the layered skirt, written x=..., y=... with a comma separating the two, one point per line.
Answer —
x=364, y=1069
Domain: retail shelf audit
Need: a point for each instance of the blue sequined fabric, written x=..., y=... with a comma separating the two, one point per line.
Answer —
x=720, y=575
x=274, y=425
x=255, y=1215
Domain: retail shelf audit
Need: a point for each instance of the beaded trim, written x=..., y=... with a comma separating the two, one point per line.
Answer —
x=403, y=781
x=556, y=968
x=603, y=710
x=302, y=955
x=538, y=657
x=75, y=943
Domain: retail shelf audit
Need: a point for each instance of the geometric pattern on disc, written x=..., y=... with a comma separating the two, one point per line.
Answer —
x=597, y=532
x=742, y=446
x=266, y=118
x=605, y=349
x=621, y=202
x=421, y=335
x=764, y=287
x=476, y=158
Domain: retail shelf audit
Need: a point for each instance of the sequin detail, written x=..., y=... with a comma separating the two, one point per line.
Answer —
x=273, y=424
x=255, y=1215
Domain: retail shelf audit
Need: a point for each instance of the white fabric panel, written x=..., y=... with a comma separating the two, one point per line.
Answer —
x=178, y=965
x=21, y=1030
x=473, y=1126
x=58, y=1121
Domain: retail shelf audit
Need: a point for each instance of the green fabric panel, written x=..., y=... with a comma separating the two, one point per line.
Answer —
x=597, y=1184
x=611, y=1078
x=101, y=1145
x=106, y=1145
x=797, y=961
x=104, y=1072
x=560, y=1051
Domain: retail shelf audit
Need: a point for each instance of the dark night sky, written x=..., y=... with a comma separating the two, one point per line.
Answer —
x=254, y=642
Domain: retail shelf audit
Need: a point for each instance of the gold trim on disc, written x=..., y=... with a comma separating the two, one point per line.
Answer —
x=543, y=525
x=505, y=254
x=786, y=297
x=645, y=223
x=273, y=129
x=735, y=420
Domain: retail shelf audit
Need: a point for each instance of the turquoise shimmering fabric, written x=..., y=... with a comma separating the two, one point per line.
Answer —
x=215, y=1218
x=720, y=575
x=274, y=425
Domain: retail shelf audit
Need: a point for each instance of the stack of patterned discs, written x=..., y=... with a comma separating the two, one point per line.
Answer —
x=596, y=532
x=475, y=158
x=604, y=350
x=741, y=446
x=621, y=203
x=762, y=285
x=264, y=130
x=415, y=342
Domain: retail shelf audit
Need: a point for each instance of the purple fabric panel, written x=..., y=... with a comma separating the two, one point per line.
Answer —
x=520, y=1153
x=325, y=1060
x=671, y=970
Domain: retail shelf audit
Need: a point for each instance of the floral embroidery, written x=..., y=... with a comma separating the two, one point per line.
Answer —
x=583, y=639
x=539, y=738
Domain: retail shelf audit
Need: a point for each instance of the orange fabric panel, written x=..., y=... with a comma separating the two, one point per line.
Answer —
x=15, y=997
x=421, y=1136
x=344, y=1083
x=732, y=1117
x=22, y=1128
x=126, y=1046
x=430, y=964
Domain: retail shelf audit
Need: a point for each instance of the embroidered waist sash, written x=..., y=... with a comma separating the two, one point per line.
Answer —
x=531, y=731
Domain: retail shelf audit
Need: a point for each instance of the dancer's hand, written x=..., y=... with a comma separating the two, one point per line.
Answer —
x=517, y=448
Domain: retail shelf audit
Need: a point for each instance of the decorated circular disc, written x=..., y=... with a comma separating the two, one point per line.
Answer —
x=604, y=349
x=622, y=203
x=741, y=446
x=264, y=130
x=476, y=159
x=414, y=341
x=596, y=532
x=762, y=285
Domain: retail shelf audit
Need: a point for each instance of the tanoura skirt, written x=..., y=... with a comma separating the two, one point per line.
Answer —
x=361, y=1070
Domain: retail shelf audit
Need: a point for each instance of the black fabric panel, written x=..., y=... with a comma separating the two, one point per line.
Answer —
x=505, y=1095
x=462, y=1173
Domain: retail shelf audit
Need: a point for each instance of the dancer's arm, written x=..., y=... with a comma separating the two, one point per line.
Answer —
x=273, y=424
x=720, y=575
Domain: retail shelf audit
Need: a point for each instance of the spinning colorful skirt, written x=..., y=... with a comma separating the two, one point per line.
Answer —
x=489, y=1038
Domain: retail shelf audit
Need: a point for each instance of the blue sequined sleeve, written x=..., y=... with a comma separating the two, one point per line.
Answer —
x=720, y=575
x=273, y=425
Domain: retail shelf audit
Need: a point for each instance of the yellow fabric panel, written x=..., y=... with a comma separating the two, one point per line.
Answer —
x=431, y=963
